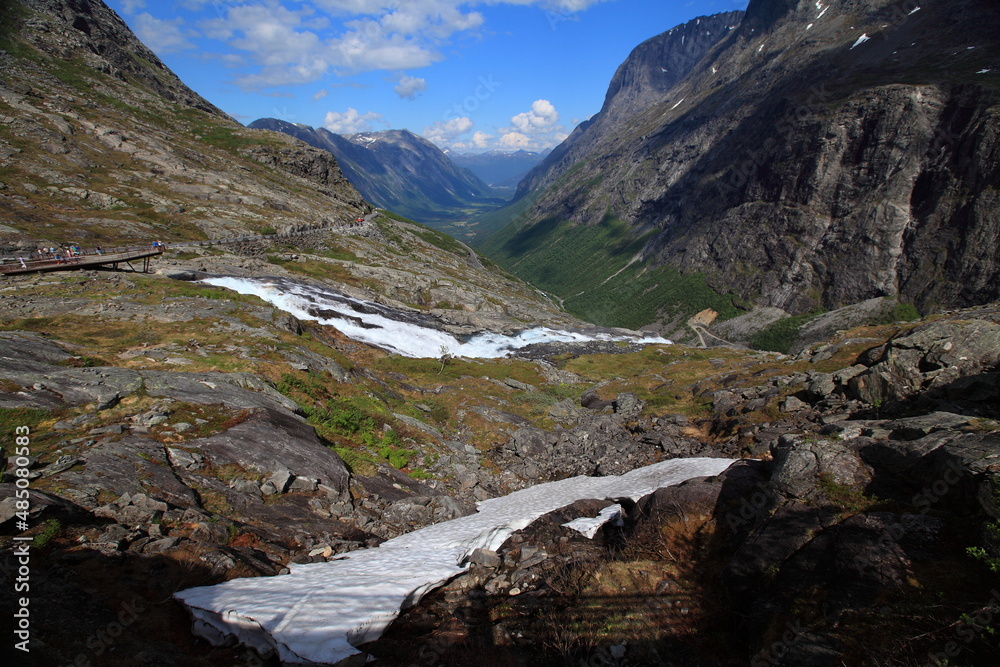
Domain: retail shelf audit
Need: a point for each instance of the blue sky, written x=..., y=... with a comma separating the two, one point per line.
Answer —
x=470, y=75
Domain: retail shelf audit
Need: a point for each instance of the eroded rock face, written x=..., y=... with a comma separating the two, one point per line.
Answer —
x=650, y=71
x=933, y=357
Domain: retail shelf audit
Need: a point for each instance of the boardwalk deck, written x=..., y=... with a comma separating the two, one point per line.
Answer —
x=112, y=258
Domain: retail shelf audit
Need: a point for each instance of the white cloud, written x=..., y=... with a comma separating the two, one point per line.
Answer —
x=231, y=59
x=132, y=6
x=574, y=5
x=541, y=118
x=320, y=94
x=481, y=140
x=535, y=129
x=273, y=36
x=514, y=140
x=367, y=47
x=161, y=36
x=408, y=86
x=293, y=43
x=350, y=121
x=444, y=132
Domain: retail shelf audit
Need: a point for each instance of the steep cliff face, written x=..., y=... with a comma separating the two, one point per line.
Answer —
x=93, y=33
x=650, y=72
x=824, y=153
x=398, y=170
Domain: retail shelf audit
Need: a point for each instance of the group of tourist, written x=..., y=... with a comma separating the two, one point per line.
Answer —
x=61, y=255
x=58, y=254
x=66, y=254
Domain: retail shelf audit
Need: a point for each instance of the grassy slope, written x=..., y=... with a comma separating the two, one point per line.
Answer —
x=588, y=267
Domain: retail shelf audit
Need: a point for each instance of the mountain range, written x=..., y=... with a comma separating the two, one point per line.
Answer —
x=402, y=172
x=170, y=436
x=800, y=157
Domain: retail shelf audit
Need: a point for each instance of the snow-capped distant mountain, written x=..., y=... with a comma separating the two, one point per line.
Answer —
x=399, y=171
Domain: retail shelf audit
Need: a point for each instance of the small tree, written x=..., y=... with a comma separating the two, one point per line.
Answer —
x=445, y=357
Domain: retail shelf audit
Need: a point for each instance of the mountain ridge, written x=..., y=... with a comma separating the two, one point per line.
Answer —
x=400, y=171
x=760, y=171
x=641, y=80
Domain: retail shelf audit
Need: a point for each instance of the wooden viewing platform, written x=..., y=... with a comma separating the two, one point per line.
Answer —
x=110, y=258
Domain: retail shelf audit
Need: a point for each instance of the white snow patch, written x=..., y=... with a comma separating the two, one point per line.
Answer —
x=671, y=108
x=822, y=12
x=914, y=11
x=320, y=611
x=714, y=70
x=588, y=526
x=809, y=27
x=984, y=71
x=861, y=40
x=373, y=323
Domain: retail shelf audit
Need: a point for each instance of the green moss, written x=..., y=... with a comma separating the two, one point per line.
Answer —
x=52, y=529
x=398, y=457
x=12, y=418
x=989, y=554
x=852, y=499
x=358, y=462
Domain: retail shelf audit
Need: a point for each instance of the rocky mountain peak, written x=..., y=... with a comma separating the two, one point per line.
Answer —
x=398, y=170
x=90, y=32
x=659, y=63
x=763, y=14
x=651, y=70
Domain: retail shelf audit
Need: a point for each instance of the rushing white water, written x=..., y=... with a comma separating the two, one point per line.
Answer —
x=319, y=612
x=411, y=335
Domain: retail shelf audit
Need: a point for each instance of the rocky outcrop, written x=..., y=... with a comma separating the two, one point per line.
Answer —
x=160, y=149
x=937, y=360
x=314, y=165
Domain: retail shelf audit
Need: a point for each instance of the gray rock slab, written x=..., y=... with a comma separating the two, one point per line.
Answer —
x=131, y=465
x=240, y=391
x=281, y=480
x=273, y=440
x=417, y=424
x=27, y=346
